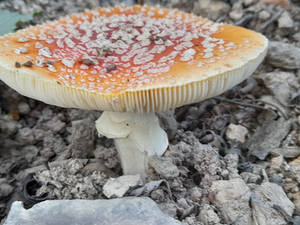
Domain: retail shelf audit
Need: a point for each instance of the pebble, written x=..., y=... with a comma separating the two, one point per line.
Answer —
x=232, y=197
x=82, y=138
x=129, y=211
x=283, y=55
x=164, y=167
x=264, y=15
x=236, y=15
x=285, y=20
x=117, y=187
x=212, y=9
x=296, y=36
x=5, y=189
x=268, y=137
x=281, y=84
x=23, y=108
x=208, y=215
x=268, y=200
x=295, y=166
x=236, y=133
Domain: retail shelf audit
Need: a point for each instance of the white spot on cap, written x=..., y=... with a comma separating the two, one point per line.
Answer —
x=45, y=52
x=20, y=50
x=68, y=62
x=188, y=54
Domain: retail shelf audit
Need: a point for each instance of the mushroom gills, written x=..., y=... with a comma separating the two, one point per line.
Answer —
x=137, y=137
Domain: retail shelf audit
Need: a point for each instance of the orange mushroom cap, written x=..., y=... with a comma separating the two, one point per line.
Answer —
x=128, y=58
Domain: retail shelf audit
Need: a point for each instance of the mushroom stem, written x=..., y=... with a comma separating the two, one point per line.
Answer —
x=137, y=136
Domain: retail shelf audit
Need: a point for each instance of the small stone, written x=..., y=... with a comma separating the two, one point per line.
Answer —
x=285, y=20
x=196, y=194
x=208, y=215
x=82, y=138
x=249, y=2
x=117, y=187
x=26, y=136
x=164, y=167
x=236, y=15
x=236, y=133
x=8, y=124
x=55, y=124
x=268, y=201
x=297, y=37
x=211, y=9
x=23, y=108
x=232, y=197
x=5, y=189
x=295, y=166
x=276, y=163
x=264, y=15
x=281, y=84
x=251, y=177
x=129, y=211
x=268, y=137
x=284, y=3
x=296, y=201
x=283, y=55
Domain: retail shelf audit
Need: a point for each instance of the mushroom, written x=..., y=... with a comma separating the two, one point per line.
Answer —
x=130, y=62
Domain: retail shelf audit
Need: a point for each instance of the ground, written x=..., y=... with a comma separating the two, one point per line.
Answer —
x=232, y=159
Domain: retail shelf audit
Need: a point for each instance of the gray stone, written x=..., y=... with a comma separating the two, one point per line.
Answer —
x=284, y=55
x=117, y=187
x=270, y=203
x=281, y=84
x=8, y=126
x=295, y=167
x=297, y=37
x=285, y=20
x=125, y=211
x=232, y=197
x=5, y=189
x=268, y=137
x=164, y=167
x=236, y=133
x=23, y=108
x=208, y=216
x=82, y=139
x=212, y=9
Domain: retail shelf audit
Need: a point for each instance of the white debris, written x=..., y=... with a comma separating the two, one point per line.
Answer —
x=236, y=133
x=117, y=187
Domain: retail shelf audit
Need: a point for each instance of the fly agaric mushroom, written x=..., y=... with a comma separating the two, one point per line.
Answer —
x=129, y=62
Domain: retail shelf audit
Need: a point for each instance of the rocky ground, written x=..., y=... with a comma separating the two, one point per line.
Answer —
x=232, y=159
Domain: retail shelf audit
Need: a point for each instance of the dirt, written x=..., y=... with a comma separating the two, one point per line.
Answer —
x=47, y=152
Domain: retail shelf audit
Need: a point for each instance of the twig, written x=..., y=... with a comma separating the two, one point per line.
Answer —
x=276, y=107
x=271, y=20
x=245, y=20
x=240, y=103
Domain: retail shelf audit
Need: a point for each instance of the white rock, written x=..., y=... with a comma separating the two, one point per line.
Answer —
x=117, y=187
x=281, y=84
x=208, y=216
x=285, y=21
x=284, y=55
x=268, y=201
x=236, y=133
x=129, y=211
x=164, y=167
x=232, y=198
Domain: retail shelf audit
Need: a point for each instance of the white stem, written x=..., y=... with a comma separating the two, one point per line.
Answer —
x=137, y=136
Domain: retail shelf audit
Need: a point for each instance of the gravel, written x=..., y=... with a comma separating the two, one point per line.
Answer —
x=229, y=157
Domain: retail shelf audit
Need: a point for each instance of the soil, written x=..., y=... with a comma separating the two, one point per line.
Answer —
x=252, y=132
